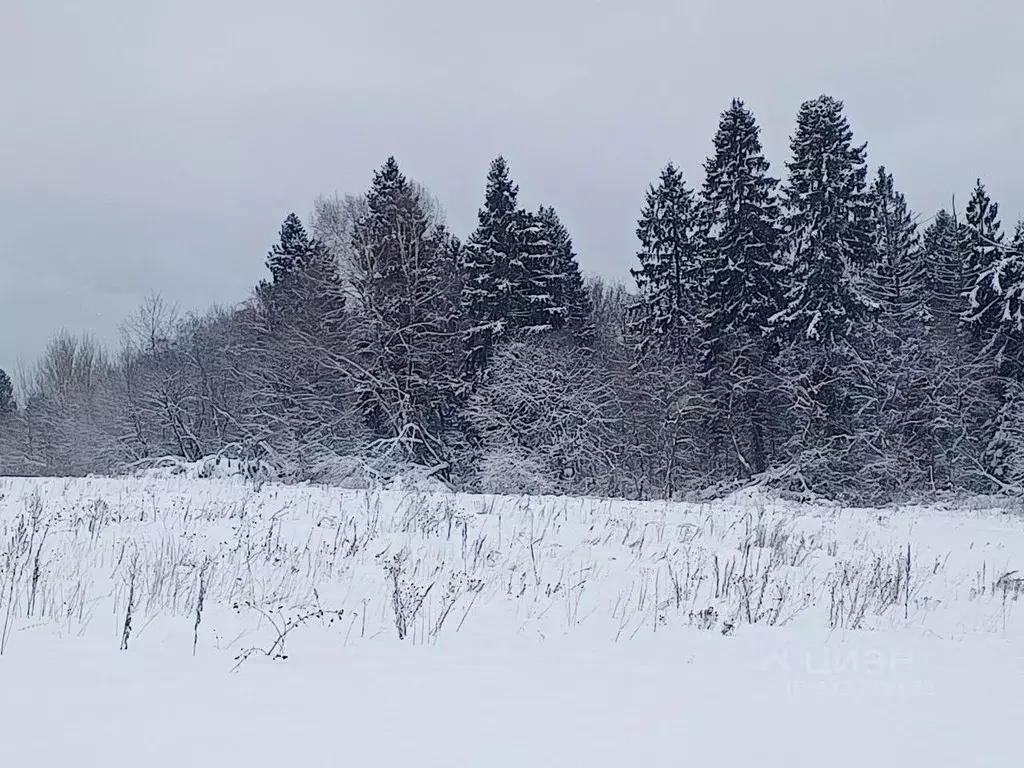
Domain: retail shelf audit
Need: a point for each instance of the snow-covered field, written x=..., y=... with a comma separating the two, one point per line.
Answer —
x=171, y=621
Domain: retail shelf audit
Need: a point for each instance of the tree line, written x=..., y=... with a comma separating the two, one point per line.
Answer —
x=810, y=332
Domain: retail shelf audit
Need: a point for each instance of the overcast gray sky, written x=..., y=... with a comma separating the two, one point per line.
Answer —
x=158, y=145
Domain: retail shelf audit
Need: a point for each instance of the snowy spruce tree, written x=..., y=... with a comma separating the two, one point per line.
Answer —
x=899, y=353
x=830, y=228
x=408, y=323
x=960, y=403
x=507, y=272
x=664, y=319
x=897, y=283
x=741, y=284
x=305, y=288
x=299, y=400
x=7, y=403
x=993, y=317
x=485, y=285
x=293, y=250
x=1008, y=278
x=534, y=281
x=985, y=249
x=830, y=244
x=990, y=354
x=1004, y=349
x=571, y=300
x=945, y=255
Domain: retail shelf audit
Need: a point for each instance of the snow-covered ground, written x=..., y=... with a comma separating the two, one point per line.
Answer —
x=175, y=621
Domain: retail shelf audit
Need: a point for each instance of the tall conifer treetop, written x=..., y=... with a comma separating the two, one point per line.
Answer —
x=898, y=281
x=740, y=220
x=983, y=310
x=304, y=278
x=571, y=306
x=508, y=272
x=668, y=278
x=983, y=221
x=829, y=225
x=293, y=250
x=945, y=269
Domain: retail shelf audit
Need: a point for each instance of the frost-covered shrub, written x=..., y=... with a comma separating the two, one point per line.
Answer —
x=513, y=471
x=550, y=402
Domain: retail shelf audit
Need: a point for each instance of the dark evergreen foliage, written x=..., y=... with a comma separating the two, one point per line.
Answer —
x=741, y=288
x=829, y=226
x=742, y=271
x=305, y=287
x=571, y=301
x=827, y=320
x=7, y=403
x=945, y=262
x=899, y=278
x=508, y=280
x=983, y=310
x=665, y=318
